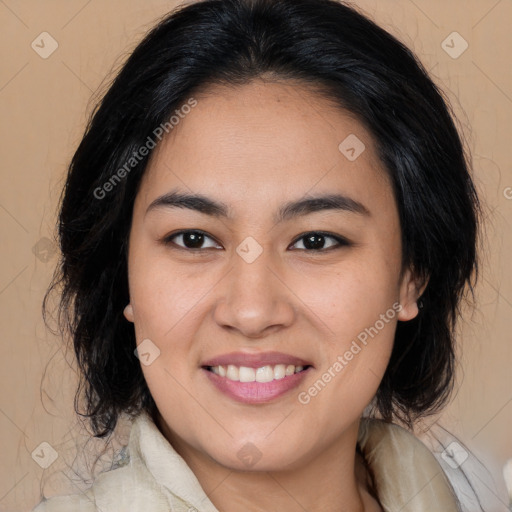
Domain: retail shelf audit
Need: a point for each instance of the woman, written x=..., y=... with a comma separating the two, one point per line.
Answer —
x=267, y=231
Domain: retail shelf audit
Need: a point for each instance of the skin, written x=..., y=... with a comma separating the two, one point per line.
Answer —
x=255, y=147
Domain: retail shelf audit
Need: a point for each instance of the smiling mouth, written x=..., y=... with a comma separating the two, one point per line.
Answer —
x=262, y=374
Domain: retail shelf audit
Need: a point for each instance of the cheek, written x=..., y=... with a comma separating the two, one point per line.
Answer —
x=354, y=360
x=165, y=301
x=163, y=294
x=350, y=298
x=356, y=308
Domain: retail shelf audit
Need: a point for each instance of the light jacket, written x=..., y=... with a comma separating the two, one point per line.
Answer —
x=150, y=476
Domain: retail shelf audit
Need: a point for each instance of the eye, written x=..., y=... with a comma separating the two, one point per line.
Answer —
x=191, y=239
x=315, y=241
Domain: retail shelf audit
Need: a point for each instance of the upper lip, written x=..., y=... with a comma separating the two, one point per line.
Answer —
x=255, y=360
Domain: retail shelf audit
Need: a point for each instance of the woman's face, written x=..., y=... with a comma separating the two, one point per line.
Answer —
x=265, y=287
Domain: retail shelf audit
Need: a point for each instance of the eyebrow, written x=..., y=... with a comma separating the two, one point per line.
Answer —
x=292, y=209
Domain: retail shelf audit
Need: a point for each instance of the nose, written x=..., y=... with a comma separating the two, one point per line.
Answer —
x=254, y=298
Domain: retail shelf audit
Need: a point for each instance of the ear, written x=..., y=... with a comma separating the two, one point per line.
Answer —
x=128, y=313
x=411, y=289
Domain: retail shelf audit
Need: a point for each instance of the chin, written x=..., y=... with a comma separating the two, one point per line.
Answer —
x=258, y=456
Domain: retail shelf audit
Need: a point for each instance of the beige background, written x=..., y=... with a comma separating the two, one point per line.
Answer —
x=44, y=105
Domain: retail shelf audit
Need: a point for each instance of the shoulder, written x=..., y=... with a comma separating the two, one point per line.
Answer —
x=473, y=482
x=405, y=474
x=433, y=452
x=126, y=486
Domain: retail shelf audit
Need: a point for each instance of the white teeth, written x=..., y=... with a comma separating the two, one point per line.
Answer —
x=279, y=371
x=247, y=374
x=265, y=374
x=262, y=374
x=232, y=373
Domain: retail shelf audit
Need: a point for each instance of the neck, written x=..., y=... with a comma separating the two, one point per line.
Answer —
x=335, y=480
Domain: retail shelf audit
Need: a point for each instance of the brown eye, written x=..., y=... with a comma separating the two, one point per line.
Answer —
x=316, y=240
x=190, y=239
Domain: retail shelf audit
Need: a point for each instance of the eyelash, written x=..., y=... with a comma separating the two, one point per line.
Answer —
x=342, y=242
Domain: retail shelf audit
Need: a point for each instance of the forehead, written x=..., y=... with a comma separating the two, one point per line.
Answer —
x=266, y=139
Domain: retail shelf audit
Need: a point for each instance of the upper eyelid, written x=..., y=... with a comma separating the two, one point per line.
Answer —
x=338, y=238
x=184, y=231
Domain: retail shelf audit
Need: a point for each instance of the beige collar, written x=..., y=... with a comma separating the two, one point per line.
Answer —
x=407, y=476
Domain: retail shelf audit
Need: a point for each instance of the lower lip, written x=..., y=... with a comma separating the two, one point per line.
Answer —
x=256, y=392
